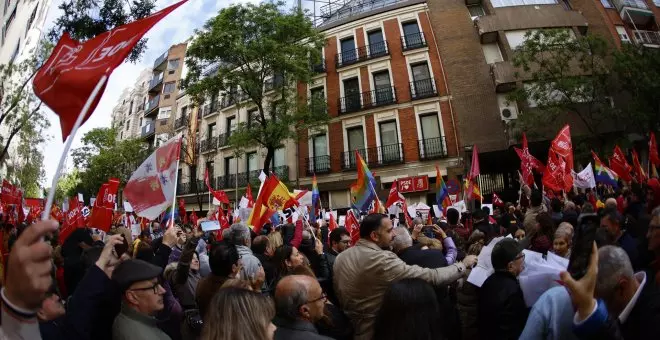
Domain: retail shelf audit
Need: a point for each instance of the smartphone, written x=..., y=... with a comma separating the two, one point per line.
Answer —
x=121, y=248
x=427, y=230
x=585, y=235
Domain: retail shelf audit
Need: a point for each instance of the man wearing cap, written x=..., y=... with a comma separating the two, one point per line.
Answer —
x=502, y=309
x=142, y=298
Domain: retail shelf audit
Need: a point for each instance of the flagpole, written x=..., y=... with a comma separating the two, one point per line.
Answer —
x=176, y=182
x=58, y=172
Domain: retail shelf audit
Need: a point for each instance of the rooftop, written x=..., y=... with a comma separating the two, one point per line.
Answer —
x=343, y=11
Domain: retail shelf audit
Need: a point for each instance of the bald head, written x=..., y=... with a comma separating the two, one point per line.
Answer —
x=292, y=296
x=610, y=203
x=402, y=239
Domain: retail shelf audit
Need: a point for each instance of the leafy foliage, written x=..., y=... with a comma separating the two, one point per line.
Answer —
x=566, y=75
x=257, y=54
x=66, y=186
x=85, y=19
x=102, y=157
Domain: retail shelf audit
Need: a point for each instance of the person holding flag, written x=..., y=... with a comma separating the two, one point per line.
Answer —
x=441, y=194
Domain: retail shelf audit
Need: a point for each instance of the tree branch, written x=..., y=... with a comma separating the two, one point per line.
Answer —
x=14, y=103
x=15, y=130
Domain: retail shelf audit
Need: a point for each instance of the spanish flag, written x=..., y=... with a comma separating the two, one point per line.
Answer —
x=472, y=189
x=274, y=196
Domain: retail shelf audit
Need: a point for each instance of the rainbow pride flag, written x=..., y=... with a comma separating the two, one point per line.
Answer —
x=315, y=198
x=442, y=194
x=363, y=191
x=603, y=174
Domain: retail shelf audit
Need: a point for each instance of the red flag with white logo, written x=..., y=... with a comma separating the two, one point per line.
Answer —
x=150, y=189
x=332, y=224
x=394, y=195
x=69, y=76
x=497, y=201
x=619, y=164
x=102, y=211
x=563, y=146
x=353, y=227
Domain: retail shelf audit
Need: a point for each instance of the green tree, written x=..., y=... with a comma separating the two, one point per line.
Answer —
x=85, y=19
x=563, y=75
x=27, y=162
x=66, y=185
x=102, y=157
x=637, y=70
x=256, y=48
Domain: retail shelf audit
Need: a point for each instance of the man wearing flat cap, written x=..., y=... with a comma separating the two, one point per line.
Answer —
x=142, y=298
x=502, y=312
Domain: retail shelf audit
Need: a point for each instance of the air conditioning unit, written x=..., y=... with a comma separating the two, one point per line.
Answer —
x=508, y=109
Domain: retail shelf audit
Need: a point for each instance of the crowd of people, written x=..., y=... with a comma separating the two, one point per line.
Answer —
x=304, y=281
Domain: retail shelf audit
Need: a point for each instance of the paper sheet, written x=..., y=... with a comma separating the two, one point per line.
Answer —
x=127, y=207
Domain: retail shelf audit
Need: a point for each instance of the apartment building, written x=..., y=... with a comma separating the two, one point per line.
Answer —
x=22, y=28
x=128, y=114
x=386, y=92
x=212, y=124
x=156, y=125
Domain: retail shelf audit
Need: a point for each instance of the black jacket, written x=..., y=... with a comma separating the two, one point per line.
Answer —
x=429, y=258
x=269, y=269
x=502, y=311
x=296, y=330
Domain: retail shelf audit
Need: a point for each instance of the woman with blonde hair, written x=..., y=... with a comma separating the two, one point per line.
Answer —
x=239, y=314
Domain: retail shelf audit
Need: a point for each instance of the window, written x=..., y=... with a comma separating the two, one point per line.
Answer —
x=351, y=94
x=165, y=112
x=252, y=116
x=430, y=126
x=383, y=88
x=412, y=38
x=8, y=23
x=130, y=108
x=507, y=3
x=389, y=141
x=173, y=64
x=517, y=38
x=355, y=137
x=210, y=130
x=128, y=125
x=410, y=28
x=317, y=100
x=476, y=11
x=231, y=125
x=210, y=166
x=623, y=35
x=423, y=84
x=320, y=145
x=184, y=110
x=348, y=53
x=251, y=164
x=169, y=87
x=279, y=158
x=32, y=16
x=492, y=52
x=141, y=121
x=15, y=54
x=230, y=166
x=607, y=3
x=376, y=43
x=121, y=135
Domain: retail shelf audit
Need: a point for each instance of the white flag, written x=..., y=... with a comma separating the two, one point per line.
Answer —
x=585, y=178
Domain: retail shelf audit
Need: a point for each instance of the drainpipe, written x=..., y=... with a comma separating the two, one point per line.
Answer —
x=444, y=77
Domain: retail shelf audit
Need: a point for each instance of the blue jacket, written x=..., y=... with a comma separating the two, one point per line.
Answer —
x=551, y=317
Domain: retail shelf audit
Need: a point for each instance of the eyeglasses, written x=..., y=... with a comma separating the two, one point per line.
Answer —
x=323, y=297
x=154, y=288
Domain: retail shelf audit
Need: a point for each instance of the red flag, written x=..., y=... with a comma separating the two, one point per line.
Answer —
x=409, y=221
x=619, y=164
x=474, y=169
x=8, y=195
x=69, y=76
x=193, y=217
x=248, y=195
x=528, y=162
x=332, y=224
x=563, y=146
x=219, y=195
x=653, y=151
x=150, y=190
x=394, y=196
x=376, y=207
x=497, y=201
x=637, y=169
x=182, y=211
x=352, y=226
x=102, y=211
x=553, y=177
x=224, y=222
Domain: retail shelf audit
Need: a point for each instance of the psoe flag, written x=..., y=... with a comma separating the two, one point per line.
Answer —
x=150, y=189
x=584, y=179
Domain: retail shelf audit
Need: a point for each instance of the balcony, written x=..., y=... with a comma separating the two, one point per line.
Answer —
x=160, y=61
x=227, y=101
x=152, y=104
x=148, y=130
x=349, y=57
x=319, y=67
x=189, y=188
x=378, y=156
x=156, y=84
x=209, y=144
x=336, y=11
x=273, y=83
x=423, y=88
x=432, y=148
x=647, y=38
x=210, y=109
x=413, y=41
x=317, y=165
x=366, y=100
x=180, y=122
x=634, y=12
x=243, y=178
x=504, y=76
x=140, y=107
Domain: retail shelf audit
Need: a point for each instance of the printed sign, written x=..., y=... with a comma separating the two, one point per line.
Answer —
x=414, y=184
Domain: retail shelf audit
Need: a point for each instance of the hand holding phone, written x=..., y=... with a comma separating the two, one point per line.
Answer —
x=122, y=247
